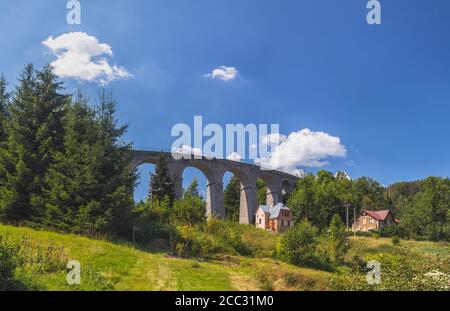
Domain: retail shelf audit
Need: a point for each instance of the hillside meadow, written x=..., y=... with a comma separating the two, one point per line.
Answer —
x=119, y=265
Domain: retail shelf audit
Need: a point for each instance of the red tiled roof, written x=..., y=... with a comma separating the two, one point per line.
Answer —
x=378, y=215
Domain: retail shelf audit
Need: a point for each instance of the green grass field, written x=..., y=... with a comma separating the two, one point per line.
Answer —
x=121, y=266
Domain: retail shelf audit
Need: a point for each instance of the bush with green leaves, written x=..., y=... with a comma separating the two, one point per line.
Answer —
x=8, y=262
x=190, y=210
x=298, y=244
x=395, y=240
x=392, y=231
x=151, y=220
x=218, y=238
x=337, y=239
x=399, y=272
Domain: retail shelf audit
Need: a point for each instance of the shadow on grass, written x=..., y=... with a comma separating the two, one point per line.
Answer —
x=16, y=285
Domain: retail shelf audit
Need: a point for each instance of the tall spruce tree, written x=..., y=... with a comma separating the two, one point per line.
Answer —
x=262, y=191
x=232, y=199
x=18, y=157
x=91, y=182
x=4, y=103
x=48, y=113
x=71, y=182
x=34, y=135
x=337, y=238
x=115, y=178
x=192, y=190
x=161, y=184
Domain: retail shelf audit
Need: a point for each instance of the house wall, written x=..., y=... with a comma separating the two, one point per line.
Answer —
x=261, y=219
x=284, y=221
x=389, y=221
x=366, y=223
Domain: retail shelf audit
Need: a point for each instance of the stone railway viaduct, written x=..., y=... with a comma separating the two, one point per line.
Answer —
x=276, y=182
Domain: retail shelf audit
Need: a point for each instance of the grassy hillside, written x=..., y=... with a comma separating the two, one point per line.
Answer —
x=112, y=266
x=121, y=266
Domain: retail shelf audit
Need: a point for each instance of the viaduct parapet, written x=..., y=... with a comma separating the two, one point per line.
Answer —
x=276, y=182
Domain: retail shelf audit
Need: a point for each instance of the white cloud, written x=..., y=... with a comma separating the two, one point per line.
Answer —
x=82, y=56
x=342, y=175
x=273, y=139
x=234, y=156
x=187, y=150
x=303, y=148
x=223, y=73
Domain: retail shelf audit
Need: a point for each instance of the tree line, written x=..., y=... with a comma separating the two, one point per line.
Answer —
x=63, y=162
x=64, y=165
x=423, y=207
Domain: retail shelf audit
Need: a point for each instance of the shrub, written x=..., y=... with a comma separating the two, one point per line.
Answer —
x=399, y=273
x=264, y=280
x=187, y=245
x=219, y=237
x=8, y=262
x=392, y=231
x=188, y=211
x=260, y=243
x=396, y=240
x=298, y=281
x=298, y=244
x=98, y=280
x=151, y=221
x=337, y=239
x=357, y=263
x=42, y=258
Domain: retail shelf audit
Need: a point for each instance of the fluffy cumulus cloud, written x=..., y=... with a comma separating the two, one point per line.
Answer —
x=81, y=56
x=223, y=73
x=234, y=156
x=303, y=148
x=273, y=139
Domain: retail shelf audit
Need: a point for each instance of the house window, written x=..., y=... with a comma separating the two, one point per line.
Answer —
x=260, y=221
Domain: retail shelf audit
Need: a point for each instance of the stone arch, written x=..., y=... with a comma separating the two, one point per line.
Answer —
x=273, y=189
x=286, y=189
x=245, y=196
x=248, y=196
x=214, y=188
x=142, y=185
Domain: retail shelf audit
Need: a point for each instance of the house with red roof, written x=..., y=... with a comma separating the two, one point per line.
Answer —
x=374, y=220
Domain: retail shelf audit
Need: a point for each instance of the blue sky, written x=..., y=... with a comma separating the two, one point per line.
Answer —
x=384, y=90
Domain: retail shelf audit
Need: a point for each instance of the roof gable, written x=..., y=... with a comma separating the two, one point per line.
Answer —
x=274, y=211
x=378, y=215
